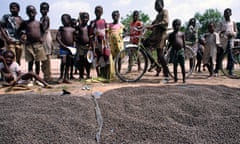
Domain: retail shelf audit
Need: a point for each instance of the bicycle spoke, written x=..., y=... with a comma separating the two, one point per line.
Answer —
x=130, y=65
x=189, y=63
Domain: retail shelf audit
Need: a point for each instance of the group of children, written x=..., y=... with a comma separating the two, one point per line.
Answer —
x=32, y=34
x=211, y=45
x=104, y=40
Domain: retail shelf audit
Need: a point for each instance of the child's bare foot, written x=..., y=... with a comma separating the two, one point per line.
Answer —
x=66, y=81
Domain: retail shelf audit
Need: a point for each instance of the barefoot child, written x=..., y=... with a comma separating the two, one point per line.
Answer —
x=177, y=42
x=228, y=31
x=12, y=73
x=98, y=35
x=200, y=51
x=115, y=35
x=210, y=52
x=11, y=23
x=65, y=38
x=83, y=45
x=47, y=40
x=34, y=51
x=134, y=36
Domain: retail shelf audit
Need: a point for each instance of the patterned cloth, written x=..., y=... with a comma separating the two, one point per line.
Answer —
x=115, y=38
x=212, y=40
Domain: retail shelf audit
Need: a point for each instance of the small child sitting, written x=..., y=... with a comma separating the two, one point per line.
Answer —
x=11, y=71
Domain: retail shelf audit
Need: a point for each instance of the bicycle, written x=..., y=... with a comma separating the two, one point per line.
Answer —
x=236, y=65
x=132, y=62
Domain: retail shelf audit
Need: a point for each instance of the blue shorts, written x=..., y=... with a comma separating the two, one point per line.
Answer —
x=64, y=52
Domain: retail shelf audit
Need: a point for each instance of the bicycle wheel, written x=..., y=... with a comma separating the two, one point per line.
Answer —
x=236, y=60
x=190, y=59
x=130, y=64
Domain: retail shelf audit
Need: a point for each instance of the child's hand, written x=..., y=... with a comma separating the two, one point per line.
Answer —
x=8, y=77
x=23, y=38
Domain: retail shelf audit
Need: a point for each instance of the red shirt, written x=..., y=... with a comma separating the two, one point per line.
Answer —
x=134, y=35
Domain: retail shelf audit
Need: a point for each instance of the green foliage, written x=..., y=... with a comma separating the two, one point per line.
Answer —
x=128, y=18
x=210, y=15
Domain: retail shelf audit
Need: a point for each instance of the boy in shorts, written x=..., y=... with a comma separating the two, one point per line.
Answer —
x=177, y=42
x=65, y=38
x=34, y=50
x=83, y=45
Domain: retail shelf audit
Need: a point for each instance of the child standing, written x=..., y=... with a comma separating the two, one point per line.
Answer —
x=34, y=50
x=83, y=45
x=192, y=36
x=65, y=38
x=115, y=34
x=192, y=32
x=212, y=42
x=11, y=24
x=47, y=40
x=136, y=23
x=98, y=35
x=228, y=31
x=200, y=51
x=177, y=42
x=115, y=39
x=134, y=36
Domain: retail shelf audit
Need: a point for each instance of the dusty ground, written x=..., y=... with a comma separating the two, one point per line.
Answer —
x=201, y=111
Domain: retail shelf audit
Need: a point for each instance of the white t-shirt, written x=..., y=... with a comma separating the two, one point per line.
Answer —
x=14, y=69
x=228, y=27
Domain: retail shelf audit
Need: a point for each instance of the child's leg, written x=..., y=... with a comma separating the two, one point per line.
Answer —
x=200, y=63
x=197, y=67
x=208, y=67
x=62, y=66
x=71, y=67
x=175, y=64
x=81, y=67
x=31, y=75
x=68, y=63
x=98, y=53
x=30, y=66
x=182, y=64
x=46, y=68
x=211, y=66
x=87, y=65
x=37, y=67
x=218, y=59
